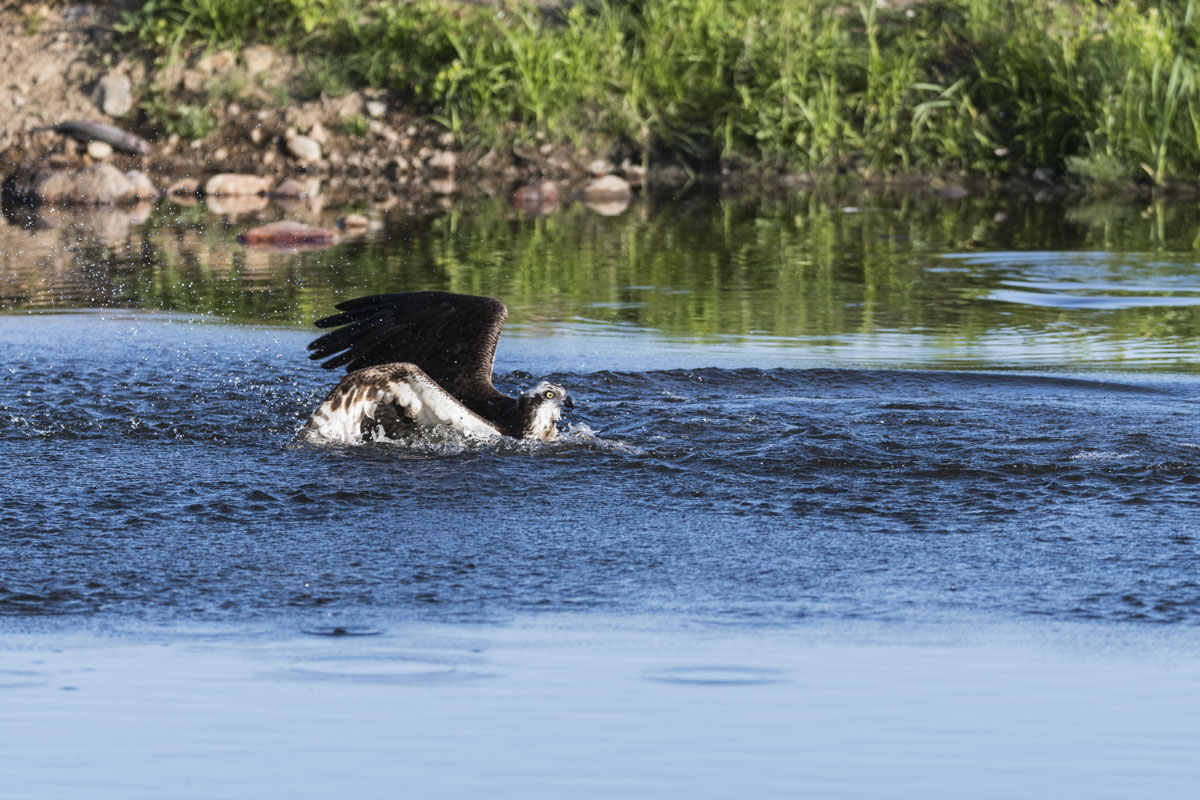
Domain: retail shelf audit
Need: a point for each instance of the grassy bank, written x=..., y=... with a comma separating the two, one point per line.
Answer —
x=1106, y=92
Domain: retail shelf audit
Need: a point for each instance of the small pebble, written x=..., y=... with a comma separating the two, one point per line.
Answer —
x=304, y=148
x=99, y=150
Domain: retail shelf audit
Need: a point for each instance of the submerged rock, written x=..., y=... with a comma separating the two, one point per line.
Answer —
x=233, y=184
x=287, y=234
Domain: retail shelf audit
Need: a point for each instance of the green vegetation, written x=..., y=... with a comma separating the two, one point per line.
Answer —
x=1108, y=91
x=356, y=125
x=185, y=120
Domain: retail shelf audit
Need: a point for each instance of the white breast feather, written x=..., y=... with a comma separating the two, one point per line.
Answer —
x=360, y=394
x=544, y=419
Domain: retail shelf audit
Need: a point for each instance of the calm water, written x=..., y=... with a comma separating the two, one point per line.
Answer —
x=810, y=433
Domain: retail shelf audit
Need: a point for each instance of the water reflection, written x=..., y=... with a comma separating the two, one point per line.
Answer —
x=995, y=281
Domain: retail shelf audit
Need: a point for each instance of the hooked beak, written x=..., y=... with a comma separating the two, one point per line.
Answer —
x=568, y=404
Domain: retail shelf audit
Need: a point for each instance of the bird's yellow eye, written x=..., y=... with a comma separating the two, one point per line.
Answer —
x=549, y=395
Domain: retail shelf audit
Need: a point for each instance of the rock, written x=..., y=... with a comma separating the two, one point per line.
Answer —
x=99, y=150
x=220, y=61
x=601, y=167
x=258, y=58
x=304, y=148
x=290, y=235
x=94, y=185
x=268, y=158
x=298, y=190
x=318, y=133
x=354, y=222
x=114, y=95
x=256, y=135
x=375, y=109
x=488, y=159
x=610, y=187
x=446, y=139
x=234, y=185
x=193, y=80
x=184, y=187
x=443, y=186
x=220, y=154
x=442, y=161
x=143, y=187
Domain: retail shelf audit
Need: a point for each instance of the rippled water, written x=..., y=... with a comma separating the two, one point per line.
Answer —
x=791, y=416
x=153, y=472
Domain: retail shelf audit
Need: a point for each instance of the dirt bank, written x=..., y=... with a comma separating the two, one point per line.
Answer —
x=254, y=111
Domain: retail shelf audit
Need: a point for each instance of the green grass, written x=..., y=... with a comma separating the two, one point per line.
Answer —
x=972, y=86
x=185, y=120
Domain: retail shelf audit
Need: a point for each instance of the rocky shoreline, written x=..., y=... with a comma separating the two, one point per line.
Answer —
x=206, y=113
x=223, y=112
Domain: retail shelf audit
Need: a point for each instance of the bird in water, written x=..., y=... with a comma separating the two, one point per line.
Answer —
x=422, y=360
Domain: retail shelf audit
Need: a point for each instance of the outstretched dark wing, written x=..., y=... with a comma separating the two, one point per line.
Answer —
x=451, y=337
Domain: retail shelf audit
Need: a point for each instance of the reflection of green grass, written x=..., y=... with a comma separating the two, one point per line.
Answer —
x=796, y=267
x=989, y=88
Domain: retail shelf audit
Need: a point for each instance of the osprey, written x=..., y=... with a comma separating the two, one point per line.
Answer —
x=424, y=359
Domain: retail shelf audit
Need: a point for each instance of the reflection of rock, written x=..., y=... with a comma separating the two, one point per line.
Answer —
x=608, y=208
x=297, y=190
x=290, y=235
x=606, y=189
x=536, y=198
x=354, y=223
x=607, y=196
x=184, y=187
x=233, y=185
x=235, y=204
x=95, y=185
x=107, y=224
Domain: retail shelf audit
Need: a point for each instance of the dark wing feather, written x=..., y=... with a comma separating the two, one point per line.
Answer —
x=451, y=337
